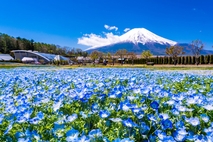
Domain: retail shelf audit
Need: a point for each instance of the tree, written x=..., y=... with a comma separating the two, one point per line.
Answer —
x=3, y=46
x=32, y=44
x=121, y=53
x=84, y=54
x=109, y=56
x=146, y=54
x=95, y=55
x=132, y=56
x=174, y=52
x=206, y=59
x=197, y=46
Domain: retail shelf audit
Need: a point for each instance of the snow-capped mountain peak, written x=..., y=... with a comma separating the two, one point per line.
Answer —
x=142, y=35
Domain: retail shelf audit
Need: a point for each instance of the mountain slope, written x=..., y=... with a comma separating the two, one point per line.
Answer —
x=142, y=35
x=139, y=39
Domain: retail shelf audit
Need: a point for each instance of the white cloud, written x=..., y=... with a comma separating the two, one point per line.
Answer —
x=111, y=27
x=94, y=40
x=126, y=30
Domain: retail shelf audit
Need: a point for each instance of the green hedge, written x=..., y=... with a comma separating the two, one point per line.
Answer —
x=181, y=60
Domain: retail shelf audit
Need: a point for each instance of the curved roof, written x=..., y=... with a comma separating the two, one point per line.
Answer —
x=6, y=57
x=47, y=56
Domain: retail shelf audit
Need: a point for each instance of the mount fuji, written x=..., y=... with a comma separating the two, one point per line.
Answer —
x=139, y=39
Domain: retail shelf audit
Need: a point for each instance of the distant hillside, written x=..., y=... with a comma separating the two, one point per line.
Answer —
x=9, y=43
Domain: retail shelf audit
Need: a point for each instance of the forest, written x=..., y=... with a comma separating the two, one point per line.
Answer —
x=9, y=43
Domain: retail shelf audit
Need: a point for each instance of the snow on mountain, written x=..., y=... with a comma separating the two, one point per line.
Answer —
x=139, y=35
x=142, y=35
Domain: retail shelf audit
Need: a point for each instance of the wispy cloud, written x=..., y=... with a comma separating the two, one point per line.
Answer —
x=94, y=40
x=126, y=30
x=111, y=27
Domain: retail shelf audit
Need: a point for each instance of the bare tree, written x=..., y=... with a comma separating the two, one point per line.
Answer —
x=174, y=52
x=197, y=46
x=121, y=53
x=132, y=56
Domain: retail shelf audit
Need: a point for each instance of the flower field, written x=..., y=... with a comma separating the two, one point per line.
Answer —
x=119, y=105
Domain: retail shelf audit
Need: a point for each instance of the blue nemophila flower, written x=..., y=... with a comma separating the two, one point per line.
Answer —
x=95, y=108
x=83, y=139
x=83, y=114
x=129, y=123
x=104, y=114
x=115, y=94
x=40, y=115
x=57, y=105
x=95, y=133
x=116, y=119
x=180, y=134
x=125, y=106
x=208, y=107
x=161, y=135
x=19, y=135
x=24, y=140
x=58, y=126
x=138, y=113
x=175, y=112
x=181, y=108
x=180, y=124
x=167, y=124
x=143, y=100
x=34, y=120
x=168, y=139
x=163, y=116
x=194, y=121
x=27, y=113
x=152, y=117
x=144, y=129
x=72, y=117
x=154, y=105
x=72, y=135
x=123, y=140
x=204, y=117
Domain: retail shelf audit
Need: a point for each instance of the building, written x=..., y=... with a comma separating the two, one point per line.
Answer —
x=5, y=57
x=82, y=59
x=37, y=57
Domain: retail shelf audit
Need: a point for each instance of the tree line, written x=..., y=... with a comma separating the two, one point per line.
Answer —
x=121, y=55
x=175, y=55
x=9, y=43
x=181, y=60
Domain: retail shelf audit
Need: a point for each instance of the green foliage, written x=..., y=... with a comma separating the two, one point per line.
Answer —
x=146, y=54
x=8, y=43
x=202, y=59
x=182, y=60
x=185, y=60
x=189, y=59
x=211, y=59
x=96, y=55
x=206, y=59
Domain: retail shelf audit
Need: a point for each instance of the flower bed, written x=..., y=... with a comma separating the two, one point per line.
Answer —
x=105, y=105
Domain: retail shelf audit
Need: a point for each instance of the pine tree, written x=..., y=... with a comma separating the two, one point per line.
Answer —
x=202, y=59
x=211, y=59
x=189, y=59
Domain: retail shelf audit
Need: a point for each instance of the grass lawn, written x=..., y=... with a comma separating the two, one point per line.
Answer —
x=155, y=67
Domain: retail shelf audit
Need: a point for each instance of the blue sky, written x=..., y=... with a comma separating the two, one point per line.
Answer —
x=64, y=22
